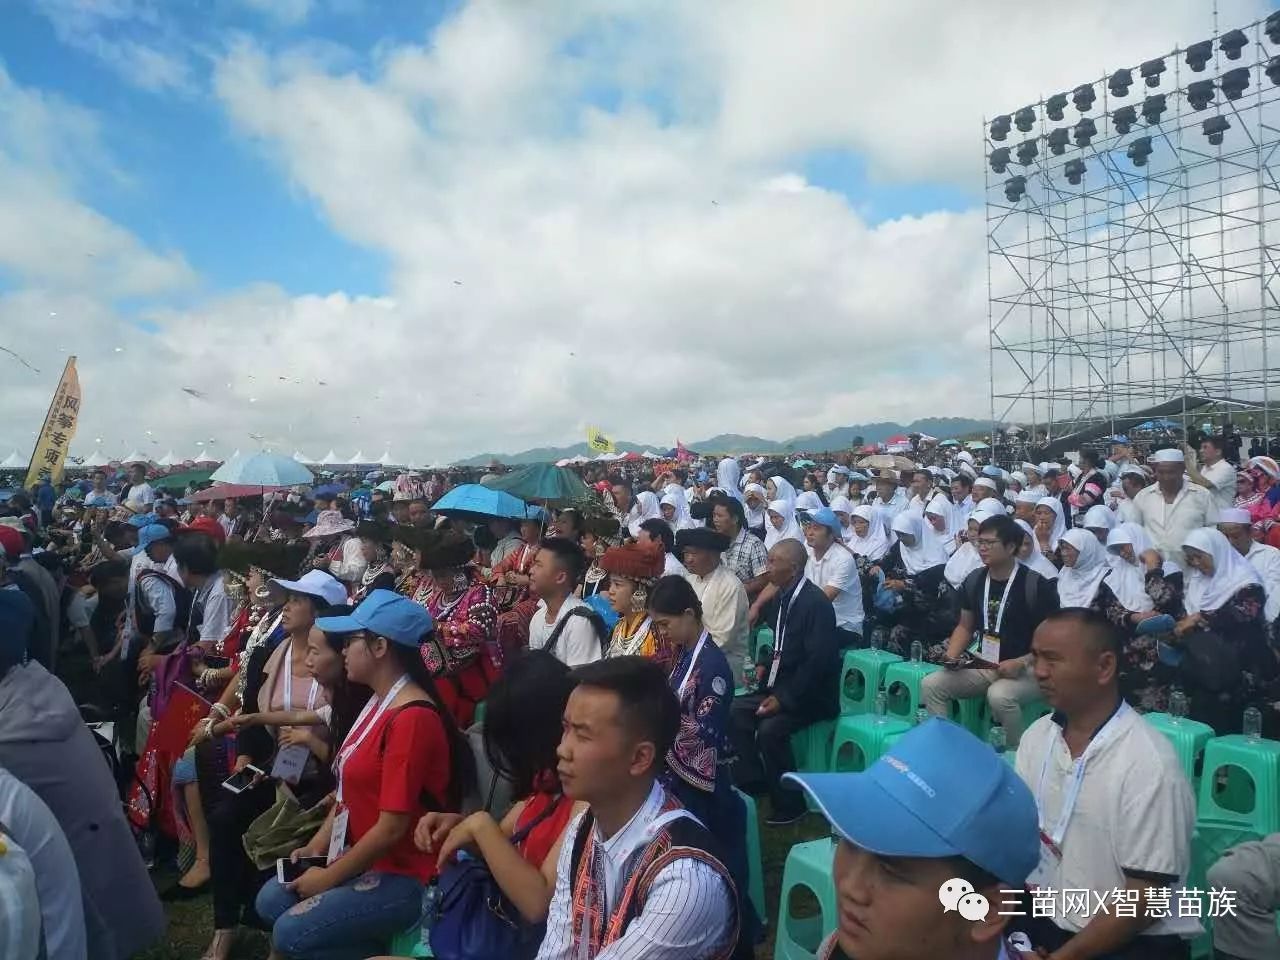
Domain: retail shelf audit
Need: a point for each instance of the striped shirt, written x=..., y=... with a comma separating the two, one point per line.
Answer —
x=746, y=556
x=688, y=913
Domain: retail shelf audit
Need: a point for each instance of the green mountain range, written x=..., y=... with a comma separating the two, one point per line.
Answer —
x=734, y=444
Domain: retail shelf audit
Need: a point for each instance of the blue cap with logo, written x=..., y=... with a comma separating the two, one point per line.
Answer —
x=386, y=614
x=938, y=792
x=826, y=518
x=152, y=533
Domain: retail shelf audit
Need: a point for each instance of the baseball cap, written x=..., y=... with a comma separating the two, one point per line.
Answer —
x=318, y=584
x=938, y=792
x=152, y=533
x=386, y=614
x=827, y=518
x=142, y=520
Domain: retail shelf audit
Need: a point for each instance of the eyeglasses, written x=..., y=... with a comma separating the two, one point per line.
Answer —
x=986, y=542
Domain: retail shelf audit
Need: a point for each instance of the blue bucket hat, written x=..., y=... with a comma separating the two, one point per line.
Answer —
x=938, y=792
x=385, y=614
x=152, y=533
x=826, y=518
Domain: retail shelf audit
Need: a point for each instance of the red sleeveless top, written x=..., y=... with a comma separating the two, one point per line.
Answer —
x=537, y=845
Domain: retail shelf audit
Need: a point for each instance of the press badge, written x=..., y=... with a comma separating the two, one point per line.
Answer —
x=338, y=838
x=290, y=762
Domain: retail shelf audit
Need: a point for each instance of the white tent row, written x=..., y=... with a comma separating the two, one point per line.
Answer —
x=13, y=462
x=95, y=459
x=302, y=457
x=133, y=458
x=573, y=461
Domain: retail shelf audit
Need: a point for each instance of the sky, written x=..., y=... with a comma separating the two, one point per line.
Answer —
x=442, y=228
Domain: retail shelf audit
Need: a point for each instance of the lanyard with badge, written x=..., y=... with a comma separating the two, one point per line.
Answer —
x=987, y=647
x=692, y=661
x=367, y=720
x=780, y=633
x=1051, y=838
x=291, y=760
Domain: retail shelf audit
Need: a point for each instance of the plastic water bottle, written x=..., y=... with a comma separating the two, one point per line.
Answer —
x=995, y=737
x=1177, y=705
x=1252, y=724
x=922, y=714
x=882, y=706
x=917, y=651
x=430, y=909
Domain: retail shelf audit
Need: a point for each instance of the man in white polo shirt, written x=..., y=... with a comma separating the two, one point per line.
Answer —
x=1116, y=811
x=1171, y=507
x=1214, y=473
x=833, y=570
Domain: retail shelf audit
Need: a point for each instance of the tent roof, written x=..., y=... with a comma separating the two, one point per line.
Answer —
x=12, y=462
x=95, y=459
x=135, y=457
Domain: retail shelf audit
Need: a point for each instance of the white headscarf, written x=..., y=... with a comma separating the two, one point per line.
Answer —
x=876, y=543
x=755, y=515
x=646, y=509
x=1099, y=518
x=843, y=504
x=1231, y=572
x=728, y=475
x=966, y=559
x=790, y=529
x=927, y=552
x=1128, y=580
x=1059, y=522
x=809, y=502
x=1036, y=560
x=1078, y=585
x=783, y=490
x=674, y=496
x=940, y=506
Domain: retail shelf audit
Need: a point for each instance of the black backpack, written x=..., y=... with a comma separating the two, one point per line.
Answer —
x=585, y=611
x=145, y=619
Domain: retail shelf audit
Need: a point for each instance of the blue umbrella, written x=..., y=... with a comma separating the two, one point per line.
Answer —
x=471, y=500
x=263, y=470
x=328, y=490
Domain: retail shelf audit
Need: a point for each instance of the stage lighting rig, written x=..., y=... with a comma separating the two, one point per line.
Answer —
x=1054, y=106
x=1085, y=131
x=1120, y=82
x=1025, y=119
x=1200, y=94
x=1058, y=140
x=1215, y=127
x=1151, y=71
x=999, y=160
x=1000, y=127
x=1234, y=83
x=1139, y=150
x=1074, y=169
x=1199, y=54
x=1152, y=107
x=1028, y=150
x=1124, y=119
x=1014, y=188
x=1232, y=44
x=1083, y=97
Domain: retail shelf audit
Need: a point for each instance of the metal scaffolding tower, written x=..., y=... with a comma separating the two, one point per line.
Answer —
x=1130, y=261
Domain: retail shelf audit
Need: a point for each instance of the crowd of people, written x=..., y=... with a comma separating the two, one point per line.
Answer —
x=352, y=716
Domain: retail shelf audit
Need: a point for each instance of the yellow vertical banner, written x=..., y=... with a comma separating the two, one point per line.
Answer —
x=597, y=440
x=50, y=455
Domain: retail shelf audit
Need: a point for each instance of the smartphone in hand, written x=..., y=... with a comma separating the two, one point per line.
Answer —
x=287, y=871
x=242, y=781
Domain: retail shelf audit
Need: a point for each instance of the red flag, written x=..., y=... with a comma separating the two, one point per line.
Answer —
x=682, y=454
x=184, y=710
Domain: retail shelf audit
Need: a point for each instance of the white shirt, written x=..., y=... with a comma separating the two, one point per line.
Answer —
x=219, y=610
x=687, y=912
x=155, y=594
x=724, y=612
x=141, y=494
x=1222, y=483
x=352, y=565
x=20, y=923
x=1266, y=560
x=105, y=499
x=1134, y=812
x=34, y=826
x=838, y=569
x=578, y=643
x=671, y=567
x=1169, y=523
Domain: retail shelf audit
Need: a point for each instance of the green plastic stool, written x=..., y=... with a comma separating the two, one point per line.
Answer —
x=902, y=684
x=755, y=861
x=1208, y=843
x=866, y=737
x=479, y=714
x=973, y=714
x=861, y=678
x=409, y=944
x=808, y=866
x=811, y=746
x=1189, y=738
x=762, y=637
x=1259, y=760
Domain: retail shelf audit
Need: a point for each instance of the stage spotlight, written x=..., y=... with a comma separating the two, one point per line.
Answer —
x=1152, y=107
x=1074, y=170
x=1120, y=82
x=1124, y=119
x=1000, y=127
x=1151, y=71
x=1085, y=131
x=1014, y=188
x=1058, y=140
x=1199, y=54
x=1273, y=71
x=1200, y=94
x=1273, y=28
x=1027, y=151
x=1083, y=97
x=1234, y=83
x=999, y=160
x=1214, y=128
x=1025, y=119
x=1139, y=150
x=1054, y=106
x=1233, y=43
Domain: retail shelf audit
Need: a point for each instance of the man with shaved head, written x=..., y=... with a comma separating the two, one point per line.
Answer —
x=796, y=682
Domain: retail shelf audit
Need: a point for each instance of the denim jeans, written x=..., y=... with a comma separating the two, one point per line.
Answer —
x=350, y=922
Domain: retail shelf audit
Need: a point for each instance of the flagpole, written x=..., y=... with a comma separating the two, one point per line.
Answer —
x=48, y=417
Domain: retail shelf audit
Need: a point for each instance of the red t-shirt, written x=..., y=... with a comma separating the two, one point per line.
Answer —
x=415, y=762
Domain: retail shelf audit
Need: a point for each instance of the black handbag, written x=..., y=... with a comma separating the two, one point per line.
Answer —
x=1209, y=661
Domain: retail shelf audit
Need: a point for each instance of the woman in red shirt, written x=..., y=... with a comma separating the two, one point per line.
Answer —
x=402, y=758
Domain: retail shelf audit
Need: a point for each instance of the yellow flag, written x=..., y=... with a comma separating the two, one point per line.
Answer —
x=597, y=441
x=50, y=455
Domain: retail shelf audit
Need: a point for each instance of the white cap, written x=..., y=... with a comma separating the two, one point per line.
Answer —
x=1235, y=515
x=986, y=482
x=1026, y=496
x=1168, y=455
x=1133, y=470
x=1031, y=467
x=318, y=584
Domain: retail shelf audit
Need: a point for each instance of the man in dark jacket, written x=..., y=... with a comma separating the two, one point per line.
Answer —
x=798, y=687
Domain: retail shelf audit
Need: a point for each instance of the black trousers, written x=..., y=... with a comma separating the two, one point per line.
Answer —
x=234, y=878
x=763, y=749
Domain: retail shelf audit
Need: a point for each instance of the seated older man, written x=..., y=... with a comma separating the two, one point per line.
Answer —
x=721, y=593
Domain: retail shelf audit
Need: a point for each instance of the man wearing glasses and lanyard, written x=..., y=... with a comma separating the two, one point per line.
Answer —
x=1116, y=811
x=1001, y=604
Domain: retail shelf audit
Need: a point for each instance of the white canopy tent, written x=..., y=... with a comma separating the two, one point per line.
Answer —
x=330, y=459
x=385, y=460
x=13, y=462
x=356, y=458
x=95, y=459
x=133, y=458
x=168, y=460
x=302, y=457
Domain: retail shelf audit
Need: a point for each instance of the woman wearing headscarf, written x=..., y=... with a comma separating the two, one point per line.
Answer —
x=808, y=502
x=1224, y=595
x=1143, y=586
x=1050, y=525
x=869, y=542
x=675, y=508
x=1263, y=498
x=1099, y=521
x=837, y=484
x=913, y=570
x=940, y=515
x=780, y=488
x=729, y=477
x=843, y=509
x=1082, y=580
x=1030, y=555
x=756, y=504
x=781, y=524
x=647, y=508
